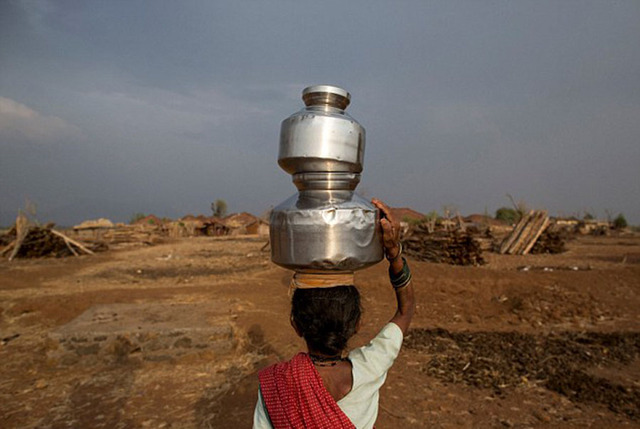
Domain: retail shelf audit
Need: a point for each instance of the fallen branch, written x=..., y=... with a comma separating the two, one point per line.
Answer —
x=75, y=243
x=8, y=248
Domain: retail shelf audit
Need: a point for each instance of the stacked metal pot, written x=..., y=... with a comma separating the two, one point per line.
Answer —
x=326, y=226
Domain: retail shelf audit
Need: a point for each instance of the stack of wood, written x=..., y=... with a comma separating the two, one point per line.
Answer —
x=525, y=234
x=550, y=242
x=33, y=241
x=454, y=247
x=131, y=234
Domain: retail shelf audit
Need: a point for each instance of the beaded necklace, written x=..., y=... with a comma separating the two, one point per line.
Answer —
x=326, y=361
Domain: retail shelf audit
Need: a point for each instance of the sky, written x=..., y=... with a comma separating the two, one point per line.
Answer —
x=112, y=108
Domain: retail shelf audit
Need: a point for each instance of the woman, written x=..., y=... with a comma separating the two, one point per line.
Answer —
x=326, y=387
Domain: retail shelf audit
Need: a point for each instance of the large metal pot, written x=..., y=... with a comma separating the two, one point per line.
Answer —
x=326, y=226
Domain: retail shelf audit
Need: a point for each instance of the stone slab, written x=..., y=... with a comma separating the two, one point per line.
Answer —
x=115, y=333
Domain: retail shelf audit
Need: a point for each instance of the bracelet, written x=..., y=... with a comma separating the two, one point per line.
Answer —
x=397, y=256
x=402, y=279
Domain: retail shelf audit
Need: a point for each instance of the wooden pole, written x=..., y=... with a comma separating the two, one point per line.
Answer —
x=22, y=229
x=70, y=247
x=75, y=243
x=8, y=248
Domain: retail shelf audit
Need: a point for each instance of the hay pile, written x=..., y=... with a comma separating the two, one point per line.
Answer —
x=454, y=247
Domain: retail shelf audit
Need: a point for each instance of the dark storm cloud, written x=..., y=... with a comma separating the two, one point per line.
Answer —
x=120, y=107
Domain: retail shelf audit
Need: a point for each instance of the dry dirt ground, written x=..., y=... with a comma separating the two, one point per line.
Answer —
x=524, y=341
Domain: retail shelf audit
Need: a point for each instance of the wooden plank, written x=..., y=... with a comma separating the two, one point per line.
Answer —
x=515, y=233
x=524, y=235
x=544, y=226
x=533, y=228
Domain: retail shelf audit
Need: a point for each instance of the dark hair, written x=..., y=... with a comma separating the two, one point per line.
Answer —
x=326, y=317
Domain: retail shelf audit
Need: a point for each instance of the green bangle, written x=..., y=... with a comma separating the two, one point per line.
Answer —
x=401, y=279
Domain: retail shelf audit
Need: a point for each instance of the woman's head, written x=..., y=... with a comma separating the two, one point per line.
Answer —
x=326, y=317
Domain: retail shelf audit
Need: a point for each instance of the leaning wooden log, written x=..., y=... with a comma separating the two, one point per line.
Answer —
x=69, y=240
x=22, y=229
x=70, y=247
x=533, y=223
x=506, y=245
x=541, y=229
x=525, y=234
x=8, y=248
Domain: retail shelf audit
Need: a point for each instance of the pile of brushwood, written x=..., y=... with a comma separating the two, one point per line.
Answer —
x=26, y=240
x=38, y=242
x=454, y=247
x=551, y=242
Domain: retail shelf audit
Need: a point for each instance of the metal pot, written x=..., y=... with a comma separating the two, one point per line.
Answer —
x=326, y=226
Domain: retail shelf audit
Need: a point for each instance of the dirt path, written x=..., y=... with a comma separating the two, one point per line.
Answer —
x=521, y=342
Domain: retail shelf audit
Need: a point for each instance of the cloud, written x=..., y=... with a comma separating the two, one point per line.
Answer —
x=21, y=123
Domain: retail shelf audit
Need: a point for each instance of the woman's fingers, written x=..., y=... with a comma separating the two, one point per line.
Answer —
x=387, y=228
x=382, y=206
x=393, y=232
x=386, y=211
x=390, y=230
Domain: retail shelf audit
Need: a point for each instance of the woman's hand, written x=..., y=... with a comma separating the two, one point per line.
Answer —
x=391, y=242
x=390, y=230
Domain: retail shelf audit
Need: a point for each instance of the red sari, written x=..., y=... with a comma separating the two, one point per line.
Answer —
x=295, y=397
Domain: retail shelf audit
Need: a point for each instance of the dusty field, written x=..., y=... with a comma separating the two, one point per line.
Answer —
x=529, y=341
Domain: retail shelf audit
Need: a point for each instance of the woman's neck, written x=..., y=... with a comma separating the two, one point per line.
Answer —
x=323, y=359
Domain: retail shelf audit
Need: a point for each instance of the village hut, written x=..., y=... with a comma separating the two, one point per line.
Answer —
x=149, y=220
x=93, y=229
x=214, y=227
x=259, y=227
x=238, y=222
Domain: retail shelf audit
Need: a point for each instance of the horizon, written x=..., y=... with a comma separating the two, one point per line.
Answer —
x=136, y=216
x=108, y=109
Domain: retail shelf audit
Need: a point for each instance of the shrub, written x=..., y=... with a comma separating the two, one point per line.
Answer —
x=620, y=222
x=136, y=217
x=219, y=208
x=508, y=215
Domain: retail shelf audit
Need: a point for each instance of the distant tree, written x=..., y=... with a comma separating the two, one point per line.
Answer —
x=432, y=215
x=620, y=222
x=507, y=214
x=520, y=207
x=219, y=208
x=136, y=217
x=588, y=216
x=449, y=210
x=412, y=221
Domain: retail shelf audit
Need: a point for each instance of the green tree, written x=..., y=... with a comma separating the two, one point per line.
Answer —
x=432, y=215
x=520, y=208
x=620, y=222
x=219, y=208
x=507, y=214
x=136, y=217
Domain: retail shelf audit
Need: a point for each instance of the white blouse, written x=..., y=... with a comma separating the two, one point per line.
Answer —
x=370, y=364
